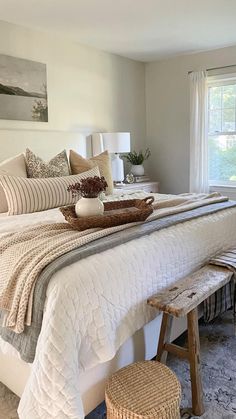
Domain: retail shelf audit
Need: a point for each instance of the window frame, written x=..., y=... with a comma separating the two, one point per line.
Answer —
x=215, y=81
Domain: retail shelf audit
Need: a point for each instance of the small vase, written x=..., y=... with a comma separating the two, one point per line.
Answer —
x=137, y=170
x=87, y=207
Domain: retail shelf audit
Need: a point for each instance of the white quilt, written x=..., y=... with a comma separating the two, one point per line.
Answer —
x=94, y=305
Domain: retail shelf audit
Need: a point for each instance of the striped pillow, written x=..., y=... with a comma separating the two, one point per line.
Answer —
x=31, y=195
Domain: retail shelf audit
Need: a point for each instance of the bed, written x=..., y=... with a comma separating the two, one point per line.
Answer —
x=96, y=318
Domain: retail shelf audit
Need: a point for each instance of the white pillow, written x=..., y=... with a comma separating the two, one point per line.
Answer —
x=14, y=166
x=32, y=195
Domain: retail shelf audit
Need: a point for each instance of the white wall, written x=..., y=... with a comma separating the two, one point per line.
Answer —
x=167, y=111
x=88, y=90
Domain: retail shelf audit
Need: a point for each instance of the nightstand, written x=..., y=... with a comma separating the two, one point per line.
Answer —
x=149, y=187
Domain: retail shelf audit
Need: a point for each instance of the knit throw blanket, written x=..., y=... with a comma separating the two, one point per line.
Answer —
x=25, y=255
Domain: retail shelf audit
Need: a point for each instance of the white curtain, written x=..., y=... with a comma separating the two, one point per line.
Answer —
x=198, y=132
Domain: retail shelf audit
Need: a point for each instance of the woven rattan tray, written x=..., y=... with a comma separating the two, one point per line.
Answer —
x=115, y=213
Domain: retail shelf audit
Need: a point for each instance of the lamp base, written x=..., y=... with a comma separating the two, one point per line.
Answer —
x=117, y=169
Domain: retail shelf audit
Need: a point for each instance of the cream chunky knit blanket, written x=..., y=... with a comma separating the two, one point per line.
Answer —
x=24, y=255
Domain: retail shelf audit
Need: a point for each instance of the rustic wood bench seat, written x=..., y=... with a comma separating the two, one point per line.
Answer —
x=182, y=299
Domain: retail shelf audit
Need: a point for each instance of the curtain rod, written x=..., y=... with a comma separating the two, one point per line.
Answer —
x=216, y=68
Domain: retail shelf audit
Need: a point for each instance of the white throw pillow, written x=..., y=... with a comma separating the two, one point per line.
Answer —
x=14, y=166
x=32, y=195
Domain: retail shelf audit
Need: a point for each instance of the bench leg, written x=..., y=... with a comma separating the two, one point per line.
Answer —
x=195, y=364
x=164, y=337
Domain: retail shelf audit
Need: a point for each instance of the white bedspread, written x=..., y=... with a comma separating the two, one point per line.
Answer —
x=94, y=305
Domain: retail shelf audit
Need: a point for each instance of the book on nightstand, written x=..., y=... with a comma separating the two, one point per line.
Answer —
x=143, y=178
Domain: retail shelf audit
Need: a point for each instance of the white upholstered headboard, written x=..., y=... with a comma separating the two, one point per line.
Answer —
x=44, y=143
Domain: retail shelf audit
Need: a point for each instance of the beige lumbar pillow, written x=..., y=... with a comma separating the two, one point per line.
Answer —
x=14, y=166
x=79, y=165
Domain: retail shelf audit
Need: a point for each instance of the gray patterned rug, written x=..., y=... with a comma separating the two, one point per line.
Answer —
x=218, y=353
x=218, y=360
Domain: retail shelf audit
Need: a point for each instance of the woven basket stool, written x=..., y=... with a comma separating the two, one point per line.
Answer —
x=143, y=390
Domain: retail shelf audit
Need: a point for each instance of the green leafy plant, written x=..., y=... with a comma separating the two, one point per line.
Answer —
x=137, y=158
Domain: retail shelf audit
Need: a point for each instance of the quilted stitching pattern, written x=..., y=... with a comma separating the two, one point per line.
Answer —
x=94, y=305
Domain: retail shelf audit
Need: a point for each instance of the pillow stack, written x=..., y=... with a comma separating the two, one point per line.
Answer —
x=28, y=184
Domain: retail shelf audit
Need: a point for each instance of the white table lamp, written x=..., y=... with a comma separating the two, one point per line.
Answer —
x=114, y=143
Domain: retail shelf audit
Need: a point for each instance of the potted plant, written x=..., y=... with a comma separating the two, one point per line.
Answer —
x=136, y=160
x=88, y=191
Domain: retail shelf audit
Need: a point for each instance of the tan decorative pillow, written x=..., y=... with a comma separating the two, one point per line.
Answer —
x=14, y=166
x=78, y=165
x=37, y=168
x=26, y=195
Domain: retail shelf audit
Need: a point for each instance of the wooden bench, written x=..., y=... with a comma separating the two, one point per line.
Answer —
x=182, y=299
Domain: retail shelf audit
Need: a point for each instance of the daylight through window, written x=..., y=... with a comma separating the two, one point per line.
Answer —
x=222, y=132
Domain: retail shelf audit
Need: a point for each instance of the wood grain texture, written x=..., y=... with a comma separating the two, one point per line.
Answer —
x=181, y=299
x=177, y=350
x=195, y=363
x=164, y=337
x=187, y=293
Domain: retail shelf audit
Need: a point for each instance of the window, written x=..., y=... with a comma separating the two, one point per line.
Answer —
x=222, y=132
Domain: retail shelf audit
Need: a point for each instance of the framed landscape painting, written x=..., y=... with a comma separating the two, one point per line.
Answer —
x=23, y=89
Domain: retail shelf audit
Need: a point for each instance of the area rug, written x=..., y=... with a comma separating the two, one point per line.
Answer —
x=218, y=356
x=218, y=360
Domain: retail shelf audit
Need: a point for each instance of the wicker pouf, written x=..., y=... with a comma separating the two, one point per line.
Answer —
x=142, y=390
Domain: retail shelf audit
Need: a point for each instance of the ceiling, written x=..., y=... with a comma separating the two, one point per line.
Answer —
x=145, y=30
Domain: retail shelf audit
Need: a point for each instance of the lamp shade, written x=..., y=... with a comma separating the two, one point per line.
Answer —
x=113, y=142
